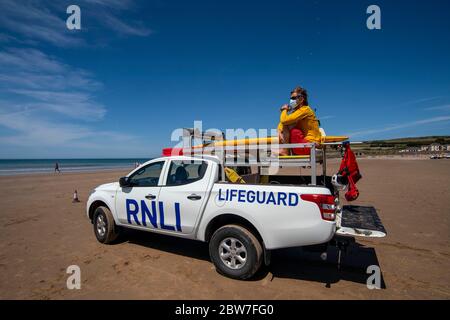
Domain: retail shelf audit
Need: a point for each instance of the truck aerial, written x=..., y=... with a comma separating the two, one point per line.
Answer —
x=189, y=196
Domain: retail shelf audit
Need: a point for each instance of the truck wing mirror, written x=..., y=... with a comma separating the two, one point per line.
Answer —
x=124, y=182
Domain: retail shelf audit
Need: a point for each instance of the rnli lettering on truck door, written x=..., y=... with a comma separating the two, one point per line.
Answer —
x=143, y=215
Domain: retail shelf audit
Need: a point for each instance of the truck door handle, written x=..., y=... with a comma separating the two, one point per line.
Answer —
x=150, y=196
x=194, y=197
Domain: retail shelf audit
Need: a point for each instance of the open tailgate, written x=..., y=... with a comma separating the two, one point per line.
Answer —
x=360, y=221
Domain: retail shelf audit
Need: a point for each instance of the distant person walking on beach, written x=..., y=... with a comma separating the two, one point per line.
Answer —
x=57, y=167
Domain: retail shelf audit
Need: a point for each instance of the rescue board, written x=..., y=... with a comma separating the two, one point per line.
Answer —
x=250, y=141
x=263, y=140
x=294, y=157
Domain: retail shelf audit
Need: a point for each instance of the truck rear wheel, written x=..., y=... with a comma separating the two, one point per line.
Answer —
x=235, y=252
x=105, y=228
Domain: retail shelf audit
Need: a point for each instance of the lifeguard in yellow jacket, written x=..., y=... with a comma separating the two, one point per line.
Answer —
x=298, y=123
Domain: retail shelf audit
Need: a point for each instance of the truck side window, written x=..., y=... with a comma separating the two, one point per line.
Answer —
x=147, y=176
x=184, y=172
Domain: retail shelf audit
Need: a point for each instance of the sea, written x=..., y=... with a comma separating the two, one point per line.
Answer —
x=33, y=166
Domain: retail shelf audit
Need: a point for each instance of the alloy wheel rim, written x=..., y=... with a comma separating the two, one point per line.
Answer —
x=101, y=225
x=233, y=253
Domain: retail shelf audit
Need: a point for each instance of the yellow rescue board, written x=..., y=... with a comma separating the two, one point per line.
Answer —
x=265, y=140
x=294, y=157
x=328, y=139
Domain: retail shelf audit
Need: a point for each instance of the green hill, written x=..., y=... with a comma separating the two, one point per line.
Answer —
x=411, y=142
x=394, y=146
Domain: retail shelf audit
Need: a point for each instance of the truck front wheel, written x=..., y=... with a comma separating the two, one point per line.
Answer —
x=105, y=228
x=235, y=252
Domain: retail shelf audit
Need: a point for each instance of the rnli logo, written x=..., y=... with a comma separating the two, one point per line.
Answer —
x=143, y=215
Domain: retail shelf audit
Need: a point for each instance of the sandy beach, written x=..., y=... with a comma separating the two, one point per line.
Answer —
x=43, y=232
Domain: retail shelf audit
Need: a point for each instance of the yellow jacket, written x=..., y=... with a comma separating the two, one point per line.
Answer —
x=304, y=119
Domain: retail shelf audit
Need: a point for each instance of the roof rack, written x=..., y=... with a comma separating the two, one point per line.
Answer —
x=262, y=156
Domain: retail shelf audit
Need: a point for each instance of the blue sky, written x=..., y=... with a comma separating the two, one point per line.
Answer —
x=139, y=69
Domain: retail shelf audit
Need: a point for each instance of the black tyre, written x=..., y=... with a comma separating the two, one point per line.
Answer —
x=235, y=252
x=105, y=228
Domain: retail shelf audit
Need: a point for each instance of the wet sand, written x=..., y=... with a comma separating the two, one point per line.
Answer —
x=42, y=233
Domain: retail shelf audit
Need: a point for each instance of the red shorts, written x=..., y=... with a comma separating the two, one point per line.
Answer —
x=296, y=136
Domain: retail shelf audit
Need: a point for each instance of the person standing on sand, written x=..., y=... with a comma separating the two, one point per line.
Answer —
x=298, y=123
x=57, y=167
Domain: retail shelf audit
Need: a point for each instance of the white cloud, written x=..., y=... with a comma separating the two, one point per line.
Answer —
x=33, y=20
x=27, y=67
x=421, y=100
x=123, y=28
x=28, y=59
x=39, y=82
x=115, y=4
x=46, y=21
x=388, y=128
x=46, y=102
x=49, y=103
x=49, y=81
x=327, y=117
x=439, y=108
x=31, y=130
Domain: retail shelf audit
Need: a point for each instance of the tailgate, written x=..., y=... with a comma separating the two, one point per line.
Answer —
x=360, y=221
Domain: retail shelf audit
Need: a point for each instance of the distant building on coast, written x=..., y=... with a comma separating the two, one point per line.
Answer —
x=410, y=150
x=435, y=147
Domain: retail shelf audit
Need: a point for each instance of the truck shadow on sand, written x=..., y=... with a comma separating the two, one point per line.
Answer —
x=294, y=263
x=290, y=263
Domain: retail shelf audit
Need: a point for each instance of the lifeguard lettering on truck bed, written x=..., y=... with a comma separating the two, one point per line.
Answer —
x=187, y=197
x=251, y=196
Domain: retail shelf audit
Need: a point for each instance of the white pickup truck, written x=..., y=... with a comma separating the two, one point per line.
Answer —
x=188, y=197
